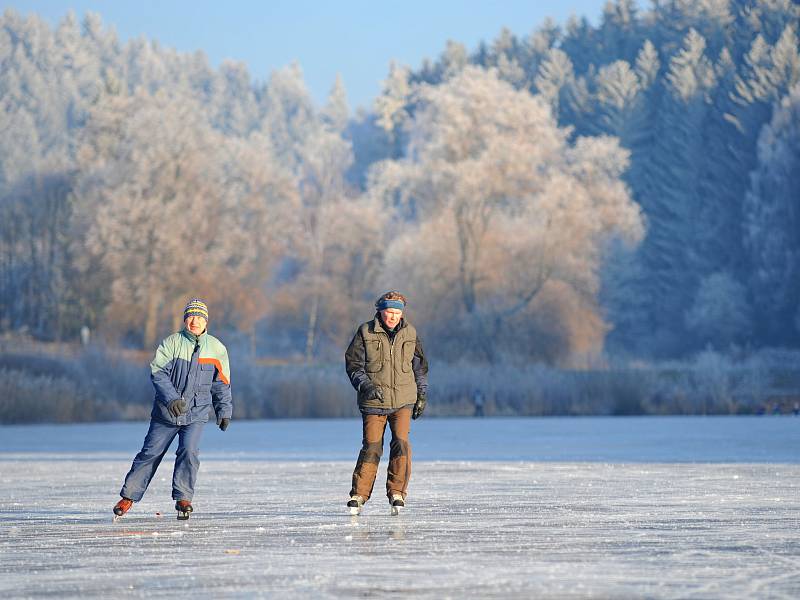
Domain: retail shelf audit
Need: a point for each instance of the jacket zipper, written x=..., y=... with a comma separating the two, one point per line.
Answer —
x=391, y=367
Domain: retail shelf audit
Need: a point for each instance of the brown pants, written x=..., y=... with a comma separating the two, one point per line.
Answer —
x=399, y=471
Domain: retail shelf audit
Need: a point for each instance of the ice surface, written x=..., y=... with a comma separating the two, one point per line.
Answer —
x=561, y=508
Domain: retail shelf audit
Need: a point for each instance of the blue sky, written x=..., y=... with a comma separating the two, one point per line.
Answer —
x=356, y=38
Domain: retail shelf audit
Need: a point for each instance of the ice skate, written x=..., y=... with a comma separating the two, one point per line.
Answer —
x=184, y=507
x=122, y=507
x=397, y=503
x=355, y=504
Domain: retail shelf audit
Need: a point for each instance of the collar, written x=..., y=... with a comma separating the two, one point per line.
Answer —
x=195, y=339
x=378, y=325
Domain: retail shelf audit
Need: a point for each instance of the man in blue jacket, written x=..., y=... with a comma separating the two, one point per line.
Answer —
x=191, y=376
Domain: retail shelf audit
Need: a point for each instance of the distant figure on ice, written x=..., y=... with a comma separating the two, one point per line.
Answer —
x=86, y=335
x=796, y=408
x=191, y=375
x=477, y=400
x=387, y=367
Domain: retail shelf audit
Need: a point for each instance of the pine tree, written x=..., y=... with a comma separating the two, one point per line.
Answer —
x=671, y=201
x=288, y=114
x=580, y=43
x=453, y=59
x=718, y=229
x=773, y=224
x=554, y=78
x=336, y=112
x=767, y=76
x=630, y=113
x=619, y=30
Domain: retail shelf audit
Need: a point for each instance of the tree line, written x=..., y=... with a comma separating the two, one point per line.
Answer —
x=624, y=189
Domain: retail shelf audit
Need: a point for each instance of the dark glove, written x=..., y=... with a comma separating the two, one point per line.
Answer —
x=371, y=392
x=223, y=423
x=177, y=407
x=419, y=406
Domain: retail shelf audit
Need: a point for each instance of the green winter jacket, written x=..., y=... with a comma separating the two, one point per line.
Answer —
x=388, y=364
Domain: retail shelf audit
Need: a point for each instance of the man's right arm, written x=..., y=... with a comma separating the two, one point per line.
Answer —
x=161, y=373
x=355, y=361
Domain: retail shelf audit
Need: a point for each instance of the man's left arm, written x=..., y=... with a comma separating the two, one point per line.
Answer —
x=221, y=396
x=420, y=368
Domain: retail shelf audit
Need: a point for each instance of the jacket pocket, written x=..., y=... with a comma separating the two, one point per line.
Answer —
x=205, y=376
x=408, y=355
x=374, y=355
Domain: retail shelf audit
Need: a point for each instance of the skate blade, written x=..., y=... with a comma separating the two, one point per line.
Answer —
x=355, y=511
x=116, y=518
x=395, y=510
x=183, y=516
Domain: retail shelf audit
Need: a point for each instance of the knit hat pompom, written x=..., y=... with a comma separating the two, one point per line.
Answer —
x=195, y=307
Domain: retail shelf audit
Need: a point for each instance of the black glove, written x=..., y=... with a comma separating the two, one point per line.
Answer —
x=177, y=407
x=371, y=392
x=223, y=423
x=419, y=406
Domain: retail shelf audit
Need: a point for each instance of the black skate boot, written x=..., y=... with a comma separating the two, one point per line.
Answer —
x=355, y=504
x=184, y=507
x=397, y=503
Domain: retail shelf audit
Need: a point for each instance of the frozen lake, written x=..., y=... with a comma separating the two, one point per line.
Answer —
x=576, y=508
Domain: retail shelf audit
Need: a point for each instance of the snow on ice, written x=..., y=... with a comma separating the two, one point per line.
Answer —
x=498, y=508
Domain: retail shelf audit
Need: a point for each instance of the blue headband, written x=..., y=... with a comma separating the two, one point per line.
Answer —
x=384, y=304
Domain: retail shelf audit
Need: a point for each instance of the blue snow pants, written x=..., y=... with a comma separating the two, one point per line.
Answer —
x=156, y=444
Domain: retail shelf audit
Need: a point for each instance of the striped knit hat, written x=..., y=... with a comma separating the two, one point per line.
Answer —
x=195, y=307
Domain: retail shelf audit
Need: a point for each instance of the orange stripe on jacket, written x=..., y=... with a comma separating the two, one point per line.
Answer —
x=217, y=364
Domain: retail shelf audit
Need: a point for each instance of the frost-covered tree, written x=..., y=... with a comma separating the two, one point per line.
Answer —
x=579, y=42
x=513, y=220
x=156, y=207
x=289, y=114
x=626, y=107
x=767, y=19
x=711, y=19
x=671, y=199
x=720, y=313
x=33, y=253
x=718, y=233
x=392, y=106
x=619, y=30
x=772, y=229
x=555, y=78
x=329, y=255
x=454, y=59
x=690, y=162
x=336, y=112
x=619, y=103
x=232, y=98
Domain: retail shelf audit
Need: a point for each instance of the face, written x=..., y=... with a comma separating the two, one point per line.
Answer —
x=391, y=316
x=196, y=324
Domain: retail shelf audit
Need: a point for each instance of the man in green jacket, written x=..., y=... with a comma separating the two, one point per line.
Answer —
x=387, y=367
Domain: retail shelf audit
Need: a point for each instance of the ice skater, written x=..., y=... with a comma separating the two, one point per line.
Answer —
x=387, y=367
x=477, y=400
x=191, y=376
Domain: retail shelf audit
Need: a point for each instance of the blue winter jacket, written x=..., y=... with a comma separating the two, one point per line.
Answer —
x=195, y=368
